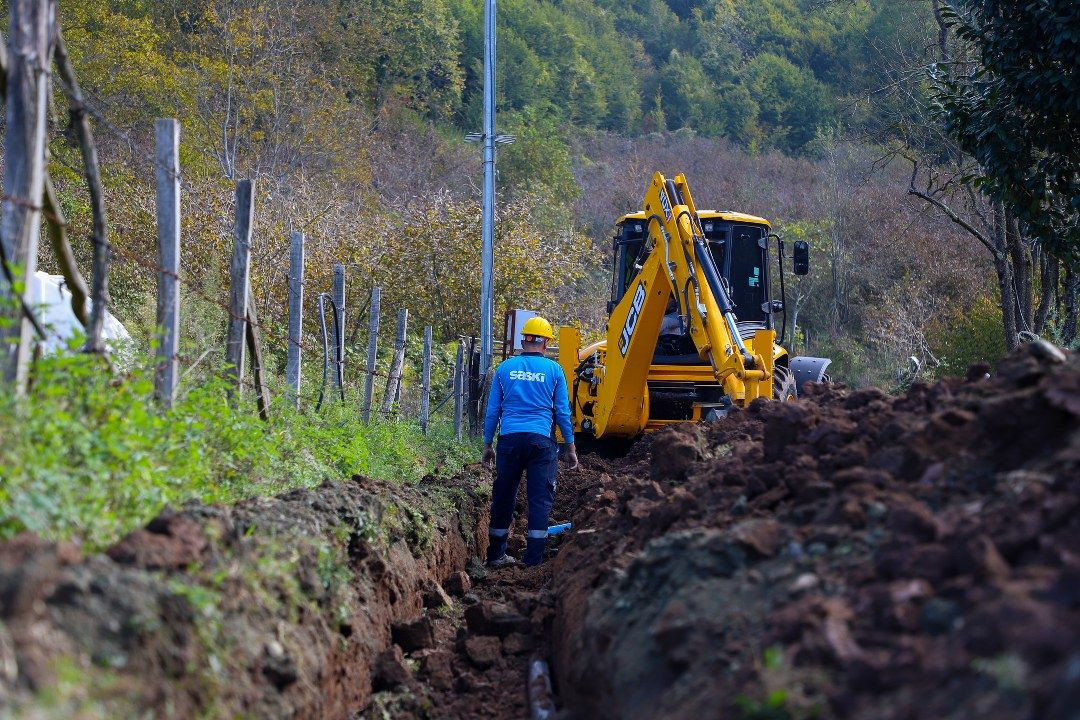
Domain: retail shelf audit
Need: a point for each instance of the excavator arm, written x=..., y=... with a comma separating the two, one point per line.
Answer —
x=674, y=261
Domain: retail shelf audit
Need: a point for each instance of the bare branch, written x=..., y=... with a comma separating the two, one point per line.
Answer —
x=943, y=207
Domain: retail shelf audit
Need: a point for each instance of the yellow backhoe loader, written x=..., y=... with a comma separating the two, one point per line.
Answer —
x=690, y=331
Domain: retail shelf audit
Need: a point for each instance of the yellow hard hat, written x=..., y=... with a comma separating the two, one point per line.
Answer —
x=538, y=327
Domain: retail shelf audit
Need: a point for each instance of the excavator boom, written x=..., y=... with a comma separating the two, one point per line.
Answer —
x=674, y=262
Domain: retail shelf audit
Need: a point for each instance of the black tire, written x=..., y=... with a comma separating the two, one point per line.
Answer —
x=784, y=388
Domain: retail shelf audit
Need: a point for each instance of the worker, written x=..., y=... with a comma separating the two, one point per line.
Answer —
x=528, y=398
x=672, y=323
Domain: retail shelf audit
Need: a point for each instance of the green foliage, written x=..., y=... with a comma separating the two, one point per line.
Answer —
x=419, y=54
x=967, y=338
x=786, y=693
x=685, y=91
x=756, y=71
x=89, y=457
x=792, y=104
x=1017, y=110
x=539, y=158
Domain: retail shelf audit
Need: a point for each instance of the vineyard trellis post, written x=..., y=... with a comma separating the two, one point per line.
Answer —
x=472, y=386
x=425, y=381
x=296, y=317
x=459, y=388
x=239, y=275
x=31, y=24
x=258, y=364
x=167, y=174
x=338, y=328
x=372, y=349
x=397, y=362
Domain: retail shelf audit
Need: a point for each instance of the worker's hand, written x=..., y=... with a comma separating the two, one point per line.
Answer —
x=570, y=455
x=489, y=455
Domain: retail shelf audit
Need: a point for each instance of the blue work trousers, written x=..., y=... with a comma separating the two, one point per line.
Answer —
x=537, y=456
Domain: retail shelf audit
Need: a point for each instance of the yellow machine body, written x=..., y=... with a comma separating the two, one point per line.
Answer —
x=612, y=382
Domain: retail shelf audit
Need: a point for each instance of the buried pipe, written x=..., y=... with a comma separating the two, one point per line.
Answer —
x=560, y=528
x=541, y=703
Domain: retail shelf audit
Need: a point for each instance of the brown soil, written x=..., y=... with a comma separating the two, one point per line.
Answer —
x=483, y=641
x=272, y=608
x=851, y=555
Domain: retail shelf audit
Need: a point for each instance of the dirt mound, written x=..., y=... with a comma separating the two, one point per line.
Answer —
x=274, y=607
x=850, y=555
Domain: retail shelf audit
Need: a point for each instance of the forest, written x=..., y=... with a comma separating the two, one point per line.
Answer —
x=831, y=118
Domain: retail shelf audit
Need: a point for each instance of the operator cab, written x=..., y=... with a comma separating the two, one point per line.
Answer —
x=739, y=247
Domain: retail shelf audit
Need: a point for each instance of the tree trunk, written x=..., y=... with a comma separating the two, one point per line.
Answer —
x=1020, y=252
x=80, y=124
x=1072, y=290
x=1005, y=279
x=1048, y=293
x=31, y=27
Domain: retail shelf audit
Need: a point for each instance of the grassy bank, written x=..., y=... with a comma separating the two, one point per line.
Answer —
x=90, y=457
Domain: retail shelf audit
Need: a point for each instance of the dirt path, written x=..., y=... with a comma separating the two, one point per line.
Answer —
x=483, y=636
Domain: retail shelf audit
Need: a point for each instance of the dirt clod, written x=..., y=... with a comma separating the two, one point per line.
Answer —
x=458, y=583
x=435, y=596
x=761, y=535
x=483, y=651
x=517, y=643
x=415, y=634
x=489, y=618
x=389, y=670
x=168, y=542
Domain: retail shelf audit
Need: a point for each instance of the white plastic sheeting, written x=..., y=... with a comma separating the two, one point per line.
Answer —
x=51, y=300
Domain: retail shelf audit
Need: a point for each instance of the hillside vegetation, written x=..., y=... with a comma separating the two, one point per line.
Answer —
x=350, y=117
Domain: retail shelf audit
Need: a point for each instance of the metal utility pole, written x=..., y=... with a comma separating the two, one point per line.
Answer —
x=487, y=302
x=490, y=140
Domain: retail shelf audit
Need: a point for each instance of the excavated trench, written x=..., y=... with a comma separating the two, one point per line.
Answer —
x=852, y=555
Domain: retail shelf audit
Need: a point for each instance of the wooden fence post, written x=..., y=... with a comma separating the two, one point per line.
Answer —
x=338, y=353
x=372, y=350
x=80, y=125
x=32, y=28
x=425, y=381
x=238, y=282
x=167, y=174
x=296, y=317
x=397, y=362
x=459, y=387
x=258, y=364
x=472, y=406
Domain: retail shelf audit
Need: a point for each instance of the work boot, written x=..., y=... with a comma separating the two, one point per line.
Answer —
x=534, y=551
x=502, y=561
x=497, y=546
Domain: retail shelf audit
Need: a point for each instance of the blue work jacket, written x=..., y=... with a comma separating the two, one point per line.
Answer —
x=528, y=393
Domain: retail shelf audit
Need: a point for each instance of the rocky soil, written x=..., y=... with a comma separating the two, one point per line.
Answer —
x=272, y=608
x=851, y=555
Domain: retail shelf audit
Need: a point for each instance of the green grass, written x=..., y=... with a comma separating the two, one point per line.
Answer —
x=91, y=457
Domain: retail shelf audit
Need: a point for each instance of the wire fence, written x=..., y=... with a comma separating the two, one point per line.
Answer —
x=256, y=335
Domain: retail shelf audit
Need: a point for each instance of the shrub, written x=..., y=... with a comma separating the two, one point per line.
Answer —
x=88, y=456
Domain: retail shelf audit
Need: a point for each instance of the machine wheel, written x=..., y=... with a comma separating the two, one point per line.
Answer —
x=784, y=388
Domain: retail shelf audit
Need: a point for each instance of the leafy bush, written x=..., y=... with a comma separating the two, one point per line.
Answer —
x=968, y=338
x=87, y=456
